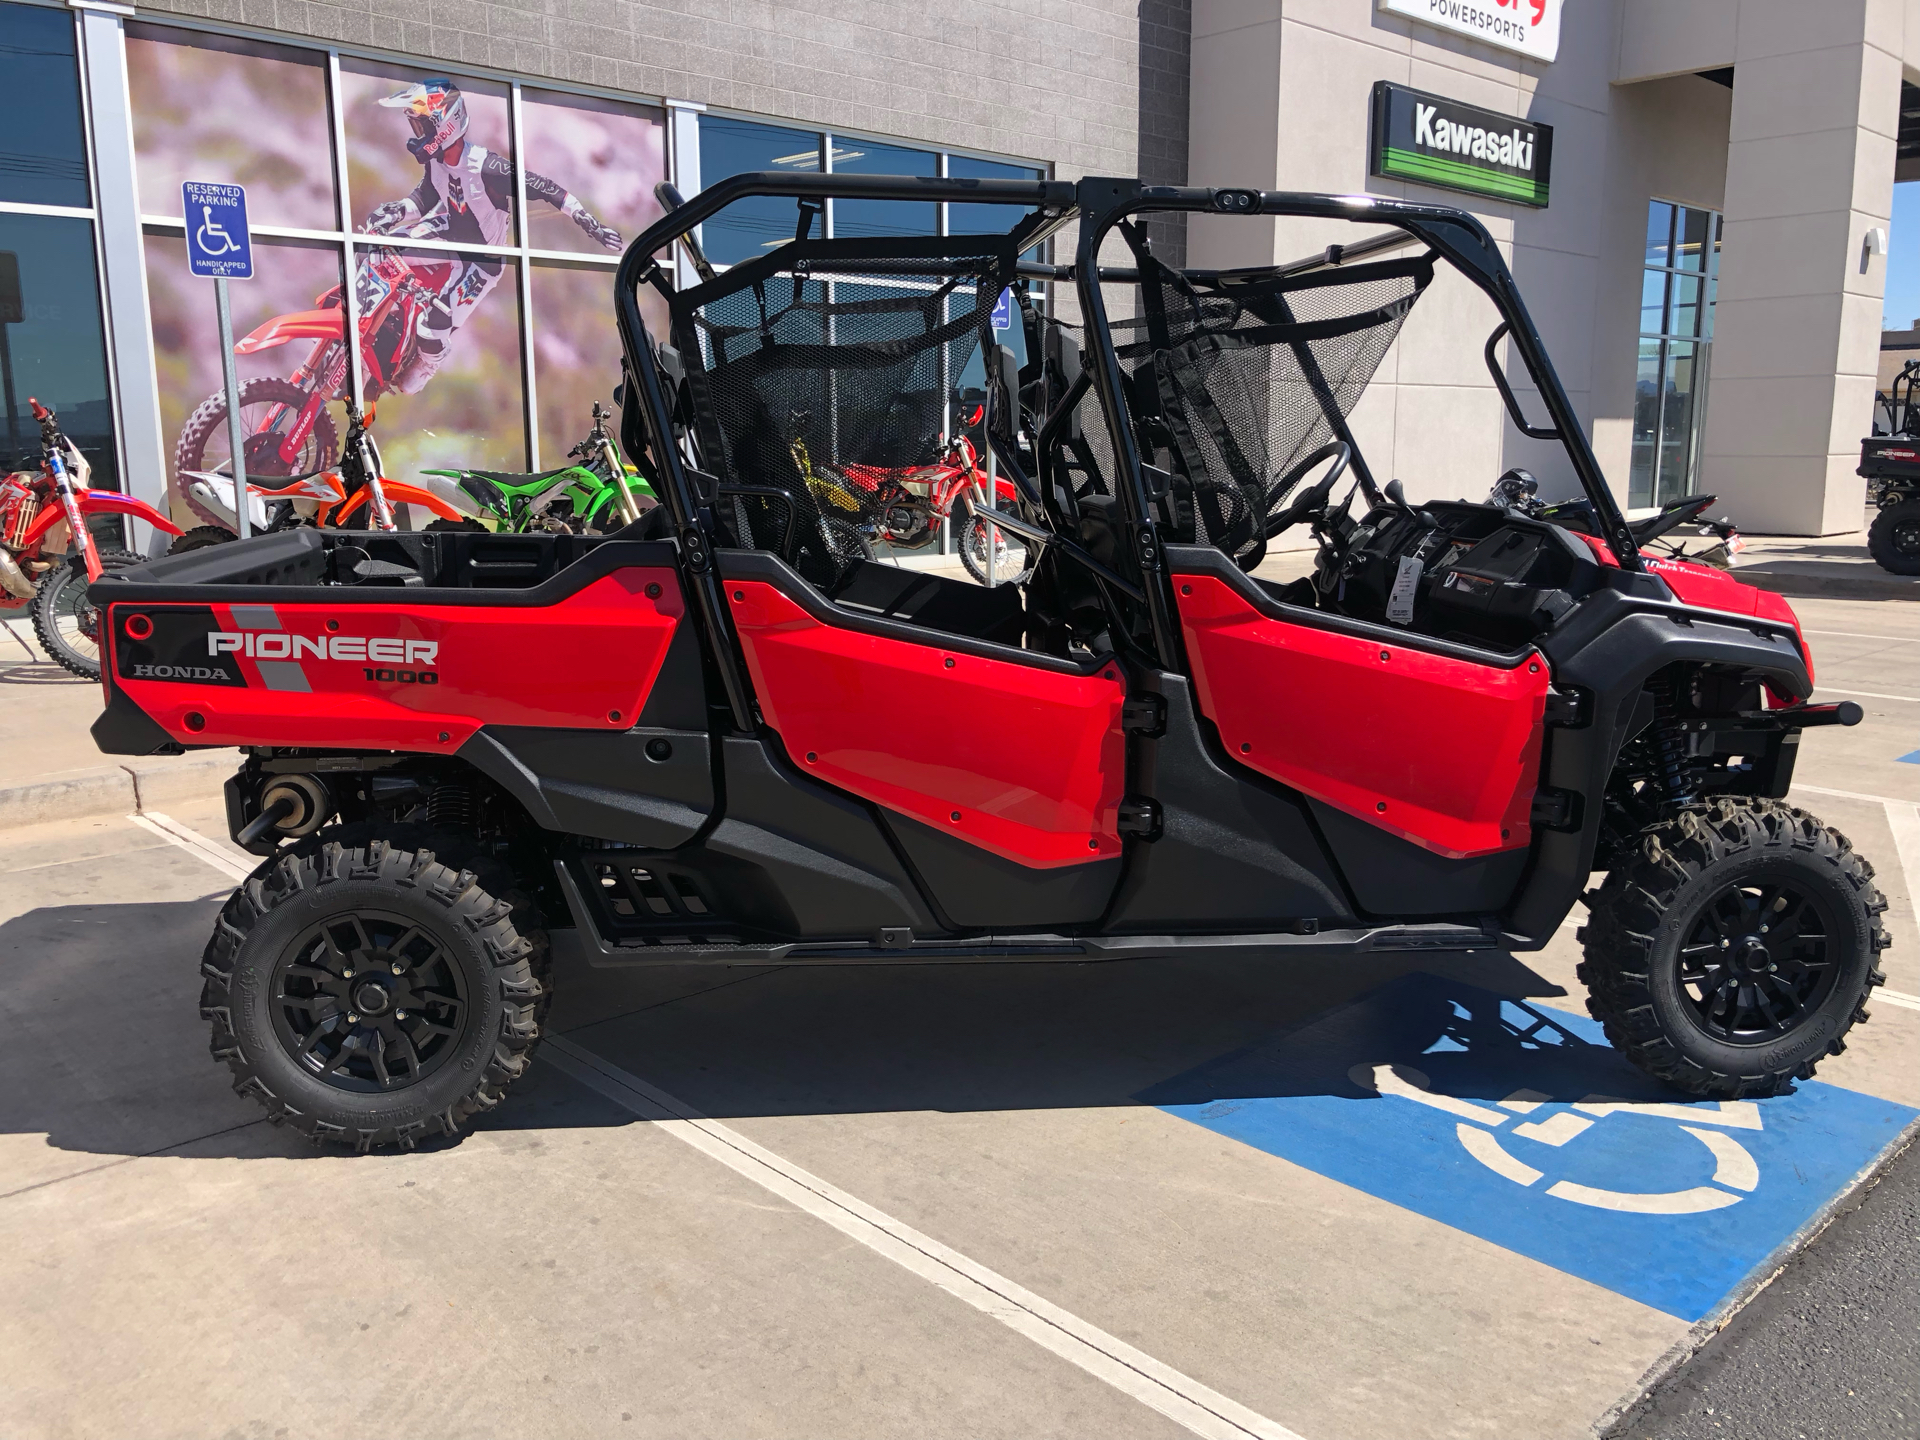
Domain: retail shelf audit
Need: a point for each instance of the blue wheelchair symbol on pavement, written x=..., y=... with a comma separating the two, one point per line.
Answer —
x=218, y=244
x=1522, y=1126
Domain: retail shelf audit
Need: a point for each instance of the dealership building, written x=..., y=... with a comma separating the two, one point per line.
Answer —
x=1694, y=195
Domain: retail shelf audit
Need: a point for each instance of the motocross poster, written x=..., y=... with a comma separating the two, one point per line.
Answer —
x=429, y=155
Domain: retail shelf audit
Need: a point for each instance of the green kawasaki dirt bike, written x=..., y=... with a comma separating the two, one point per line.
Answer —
x=597, y=492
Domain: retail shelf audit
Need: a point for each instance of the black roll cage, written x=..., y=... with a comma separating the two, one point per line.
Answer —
x=1100, y=204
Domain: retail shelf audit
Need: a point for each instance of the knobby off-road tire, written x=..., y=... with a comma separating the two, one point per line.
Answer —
x=1677, y=959
x=1013, y=562
x=208, y=423
x=301, y=1035
x=1894, y=538
x=64, y=619
x=201, y=537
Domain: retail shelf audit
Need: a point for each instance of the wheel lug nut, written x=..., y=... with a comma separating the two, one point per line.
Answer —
x=1772, y=968
x=352, y=1019
x=399, y=969
x=1726, y=944
x=348, y=972
x=399, y=1014
x=1763, y=929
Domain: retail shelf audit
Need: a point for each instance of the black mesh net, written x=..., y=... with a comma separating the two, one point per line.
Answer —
x=1231, y=380
x=826, y=356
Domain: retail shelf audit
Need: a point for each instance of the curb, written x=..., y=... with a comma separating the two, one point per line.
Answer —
x=117, y=789
x=1888, y=587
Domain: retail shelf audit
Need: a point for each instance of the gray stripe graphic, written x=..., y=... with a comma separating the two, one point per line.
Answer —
x=256, y=617
x=283, y=675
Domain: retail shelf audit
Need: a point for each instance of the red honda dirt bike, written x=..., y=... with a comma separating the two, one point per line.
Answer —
x=905, y=507
x=289, y=432
x=40, y=516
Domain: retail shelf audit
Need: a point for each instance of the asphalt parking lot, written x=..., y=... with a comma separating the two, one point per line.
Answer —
x=1147, y=1198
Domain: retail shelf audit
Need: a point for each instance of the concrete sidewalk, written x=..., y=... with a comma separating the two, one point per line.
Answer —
x=49, y=766
x=1830, y=565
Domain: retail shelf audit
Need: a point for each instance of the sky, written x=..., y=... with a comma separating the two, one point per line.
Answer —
x=1902, y=306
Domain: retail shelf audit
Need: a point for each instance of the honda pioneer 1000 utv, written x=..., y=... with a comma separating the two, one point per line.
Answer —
x=716, y=737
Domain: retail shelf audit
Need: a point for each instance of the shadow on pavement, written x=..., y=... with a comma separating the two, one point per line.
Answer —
x=107, y=1053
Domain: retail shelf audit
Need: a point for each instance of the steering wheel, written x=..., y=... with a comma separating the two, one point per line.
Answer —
x=1314, y=498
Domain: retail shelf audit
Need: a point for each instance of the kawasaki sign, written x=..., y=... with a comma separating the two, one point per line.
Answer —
x=1435, y=141
x=1526, y=27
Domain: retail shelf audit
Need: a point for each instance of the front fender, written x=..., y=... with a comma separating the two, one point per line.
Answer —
x=113, y=502
x=1609, y=646
x=300, y=325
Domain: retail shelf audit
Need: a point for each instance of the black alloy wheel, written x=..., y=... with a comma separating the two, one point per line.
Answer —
x=1733, y=946
x=1757, y=962
x=369, y=994
x=1894, y=538
x=369, y=1001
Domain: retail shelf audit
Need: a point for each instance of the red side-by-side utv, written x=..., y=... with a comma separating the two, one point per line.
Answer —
x=716, y=737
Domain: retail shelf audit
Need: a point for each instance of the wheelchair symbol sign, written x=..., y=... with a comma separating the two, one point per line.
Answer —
x=1734, y=1165
x=218, y=244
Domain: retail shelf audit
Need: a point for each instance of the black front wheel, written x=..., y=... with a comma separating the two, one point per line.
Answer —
x=1733, y=947
x=64, y=618
x=1894, y=538
x=367, y=994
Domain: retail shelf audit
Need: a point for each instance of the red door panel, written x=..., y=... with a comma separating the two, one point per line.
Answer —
x=1440, y=751
x=400, y=676
x=1025, y=762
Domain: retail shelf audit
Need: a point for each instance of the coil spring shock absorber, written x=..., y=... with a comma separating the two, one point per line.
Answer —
x=450, y=806
x=1670, y=742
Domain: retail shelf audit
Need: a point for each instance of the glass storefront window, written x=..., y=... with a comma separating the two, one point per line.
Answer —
x=232, y=111
x=52, y=345
x=852, y=218
x=289, y=277
x=1676, y=325
x=43, y=151
x=740, y=147
x=605, y=155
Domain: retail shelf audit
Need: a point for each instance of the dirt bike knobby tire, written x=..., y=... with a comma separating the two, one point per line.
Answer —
x=1653, y=898
x=51, y=592
x=493, y=934
x=1890, y=527
x=200, y=537
x=1012, y=573
x=210, y=419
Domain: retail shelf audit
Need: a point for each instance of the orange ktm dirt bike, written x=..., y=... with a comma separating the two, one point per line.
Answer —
x=289, y=432
x=41, y=515
x=358, y=496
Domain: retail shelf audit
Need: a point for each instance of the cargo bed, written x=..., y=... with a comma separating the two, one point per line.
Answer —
x=392, y=641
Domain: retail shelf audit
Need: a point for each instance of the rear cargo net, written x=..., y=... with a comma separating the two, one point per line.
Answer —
x=1233, y=377
x=823, y=355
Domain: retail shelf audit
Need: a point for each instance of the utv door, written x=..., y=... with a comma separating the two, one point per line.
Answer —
x=998, y=771
x=1420, y=758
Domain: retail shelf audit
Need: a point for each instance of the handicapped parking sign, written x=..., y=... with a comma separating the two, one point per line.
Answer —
x=218, y=245
x=1519, y=1124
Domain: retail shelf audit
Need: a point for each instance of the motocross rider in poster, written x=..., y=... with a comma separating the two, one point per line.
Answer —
x=465, y=194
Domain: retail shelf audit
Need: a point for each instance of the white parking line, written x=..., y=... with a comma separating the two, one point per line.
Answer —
x=1858, y=635
x=194, y=843
x=1895, y=997
x=1868, y=694
x=1179, y=1397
